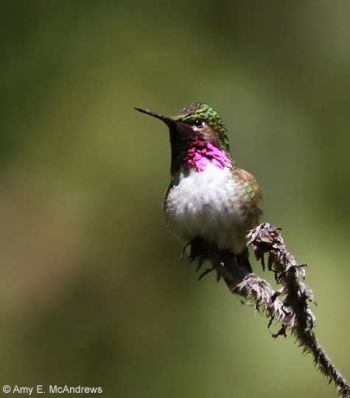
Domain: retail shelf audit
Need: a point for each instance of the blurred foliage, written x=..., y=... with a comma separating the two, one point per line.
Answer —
x=92, y=290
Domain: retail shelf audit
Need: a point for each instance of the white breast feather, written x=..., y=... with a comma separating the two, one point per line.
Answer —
x=207, y=204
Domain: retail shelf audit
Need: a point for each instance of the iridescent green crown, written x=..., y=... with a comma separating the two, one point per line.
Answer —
x=199, y=110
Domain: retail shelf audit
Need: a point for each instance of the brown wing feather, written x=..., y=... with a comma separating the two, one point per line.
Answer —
x=252, y=196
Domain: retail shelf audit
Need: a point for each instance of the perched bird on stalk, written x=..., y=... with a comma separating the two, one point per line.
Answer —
x=210, y=204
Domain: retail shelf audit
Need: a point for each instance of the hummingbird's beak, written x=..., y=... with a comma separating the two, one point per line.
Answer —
x=166, y=119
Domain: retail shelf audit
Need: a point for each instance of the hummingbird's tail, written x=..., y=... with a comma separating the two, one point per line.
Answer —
x=236, y=266
x=242, y=260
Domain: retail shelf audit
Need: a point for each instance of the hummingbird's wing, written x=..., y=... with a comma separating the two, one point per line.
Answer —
x=252, y=196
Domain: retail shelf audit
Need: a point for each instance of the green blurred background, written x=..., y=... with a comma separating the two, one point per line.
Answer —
x=92, y=289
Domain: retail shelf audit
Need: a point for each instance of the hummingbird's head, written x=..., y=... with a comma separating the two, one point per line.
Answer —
x=205, y=121
x=197, y=128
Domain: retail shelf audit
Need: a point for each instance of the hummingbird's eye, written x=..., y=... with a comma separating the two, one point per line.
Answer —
x=199, y=122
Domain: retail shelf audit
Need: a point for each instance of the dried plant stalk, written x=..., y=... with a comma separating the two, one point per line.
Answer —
x=289, y=306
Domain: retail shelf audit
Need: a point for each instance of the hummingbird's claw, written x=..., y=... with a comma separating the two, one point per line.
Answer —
x=207, y=271
x=218, y=275
x=200, y=263
x=183, y=253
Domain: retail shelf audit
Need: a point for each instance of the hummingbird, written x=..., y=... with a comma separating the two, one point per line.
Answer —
x=210, y=204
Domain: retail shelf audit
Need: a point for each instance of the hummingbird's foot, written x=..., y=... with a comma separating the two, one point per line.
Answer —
x=198, y=251
x=200, y=262
x=219, y=272
x=201, y=251
x=184, y=255
x=206, y=272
